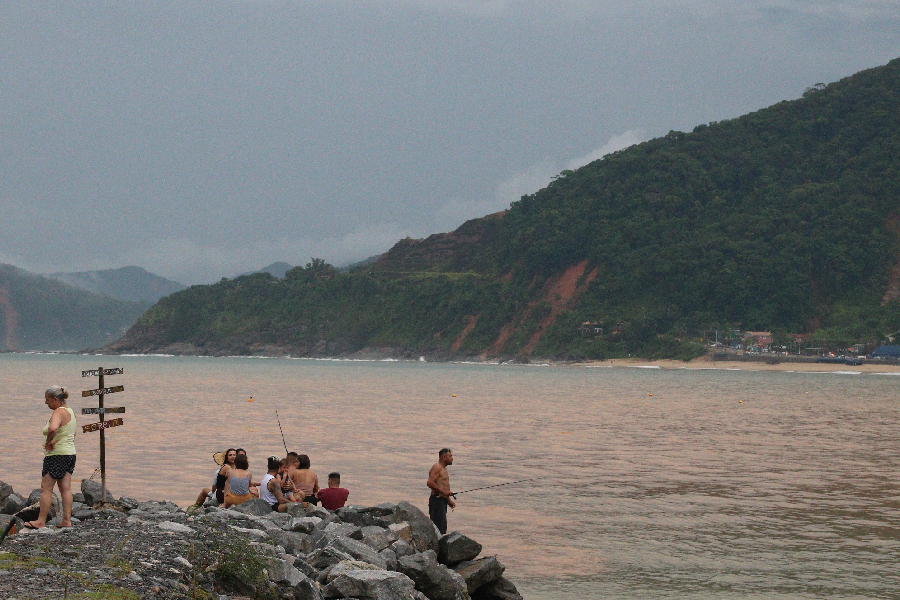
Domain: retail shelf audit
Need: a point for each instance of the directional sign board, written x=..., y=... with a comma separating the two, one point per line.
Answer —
x=102, y=425
x=96, y=372
x=102, y=411
x=109, y=390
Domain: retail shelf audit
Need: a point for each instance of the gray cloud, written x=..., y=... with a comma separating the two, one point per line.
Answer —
x=203, y=139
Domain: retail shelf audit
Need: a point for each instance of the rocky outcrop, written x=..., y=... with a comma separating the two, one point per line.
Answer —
x=156, y=549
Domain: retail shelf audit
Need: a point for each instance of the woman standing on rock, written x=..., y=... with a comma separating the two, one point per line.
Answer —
x=59, y=457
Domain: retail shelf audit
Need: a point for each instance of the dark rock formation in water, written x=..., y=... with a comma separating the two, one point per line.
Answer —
x=156, y=549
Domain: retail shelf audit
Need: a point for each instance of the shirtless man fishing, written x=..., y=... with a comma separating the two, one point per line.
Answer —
x=441, y=496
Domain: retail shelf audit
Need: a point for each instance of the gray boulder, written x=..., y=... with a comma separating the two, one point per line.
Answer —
x=359, y=551
x=390, y=557
x=128, y=503
x=92, y=491
x=380, y=539
x=478, y=573
x=502, y=589
x=403, y=530
x=35, y=496
x=280, y=520
x=281, y=571
x=371, y=585
x=323, y=558
x=347, y=565
x=432, y=578
x=304, y=524
x=254, y=506
x=12, y=504
x=424, y=533
x=5, y=490
x=455, y=547
x=290, y=541
x=347, y=530
x=401, y=549
x=307, y=589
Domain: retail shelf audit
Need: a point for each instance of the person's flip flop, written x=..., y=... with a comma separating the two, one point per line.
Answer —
x=28, y=525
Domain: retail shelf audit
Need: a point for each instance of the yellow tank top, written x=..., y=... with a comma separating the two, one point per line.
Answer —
x=64, y=440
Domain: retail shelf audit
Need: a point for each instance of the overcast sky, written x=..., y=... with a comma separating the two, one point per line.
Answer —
x=203, y=139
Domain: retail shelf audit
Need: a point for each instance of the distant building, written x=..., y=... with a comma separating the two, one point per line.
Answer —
x=589, y=329
x=761, y=339
x=892, y=352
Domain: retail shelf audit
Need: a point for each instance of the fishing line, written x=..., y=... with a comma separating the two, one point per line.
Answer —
x=500, y=484
x=282, y=431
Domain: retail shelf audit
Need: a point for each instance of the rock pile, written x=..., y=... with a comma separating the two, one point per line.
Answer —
x=158, y=550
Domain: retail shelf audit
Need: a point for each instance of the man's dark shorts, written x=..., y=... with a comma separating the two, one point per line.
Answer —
x=58, y=465
x=437, y=510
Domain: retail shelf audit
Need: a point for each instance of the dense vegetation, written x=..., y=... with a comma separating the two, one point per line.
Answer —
x=783, y=219
x=37, y=313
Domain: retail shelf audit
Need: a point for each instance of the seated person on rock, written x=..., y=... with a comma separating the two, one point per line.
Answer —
x=306, y=483
x=334, y=496
x=237, y=487
x=270, y=487
x=254, y=485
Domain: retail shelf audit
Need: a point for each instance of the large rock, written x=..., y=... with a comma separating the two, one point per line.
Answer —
x=403, y=530
x=424, y=534
x=281, y=571
x=92, y=491
x=378, y=537
x=401, y=549
x=291, y=542
x=347, y=565
x=478, y=573
x=432, y=578
x=371, y=585
x=304, y=524
x=359, y=551
x=455, y=547
x=254, y=506
x=12, y=504
x=307, y=589
x=5, y=490
x=324, y=558
x=502, y=589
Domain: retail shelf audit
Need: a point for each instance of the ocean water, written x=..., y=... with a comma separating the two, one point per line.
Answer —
x=655, y=483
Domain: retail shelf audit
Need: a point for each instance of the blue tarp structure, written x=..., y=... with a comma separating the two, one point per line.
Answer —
x=886, y=352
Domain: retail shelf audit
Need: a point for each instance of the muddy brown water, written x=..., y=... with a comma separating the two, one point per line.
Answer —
x=658, y=483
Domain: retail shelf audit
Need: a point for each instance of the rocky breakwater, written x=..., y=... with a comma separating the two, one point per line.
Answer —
x=126, y=549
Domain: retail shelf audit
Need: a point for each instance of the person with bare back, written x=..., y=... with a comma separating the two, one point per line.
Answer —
x=441, y=496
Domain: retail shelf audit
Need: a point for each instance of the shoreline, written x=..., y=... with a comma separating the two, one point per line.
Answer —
x=701, y=363
x=707, y=362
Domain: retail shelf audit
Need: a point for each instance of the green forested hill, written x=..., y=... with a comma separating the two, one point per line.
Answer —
x=38, y=313
x=783, y=219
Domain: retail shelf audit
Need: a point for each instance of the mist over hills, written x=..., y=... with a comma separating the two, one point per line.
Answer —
x=126, y=283
x=783, y=219
x=39, y=313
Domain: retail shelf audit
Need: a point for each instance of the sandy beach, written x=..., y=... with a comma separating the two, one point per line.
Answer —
x=707, y=362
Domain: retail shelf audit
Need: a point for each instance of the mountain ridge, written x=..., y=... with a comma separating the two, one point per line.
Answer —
x=779, y=219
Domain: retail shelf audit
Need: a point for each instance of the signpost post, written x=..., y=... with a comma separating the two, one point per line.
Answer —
x=102, y=411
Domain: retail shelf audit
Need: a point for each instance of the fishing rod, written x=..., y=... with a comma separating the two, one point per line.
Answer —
x=282, y=431
x=498, y=485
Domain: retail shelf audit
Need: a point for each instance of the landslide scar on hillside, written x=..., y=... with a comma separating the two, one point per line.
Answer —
x=566, y=287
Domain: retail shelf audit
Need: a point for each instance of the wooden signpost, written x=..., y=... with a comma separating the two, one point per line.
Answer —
x=102, y=411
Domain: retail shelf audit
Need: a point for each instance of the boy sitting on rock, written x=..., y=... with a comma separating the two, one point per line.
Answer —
x=334, y=496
